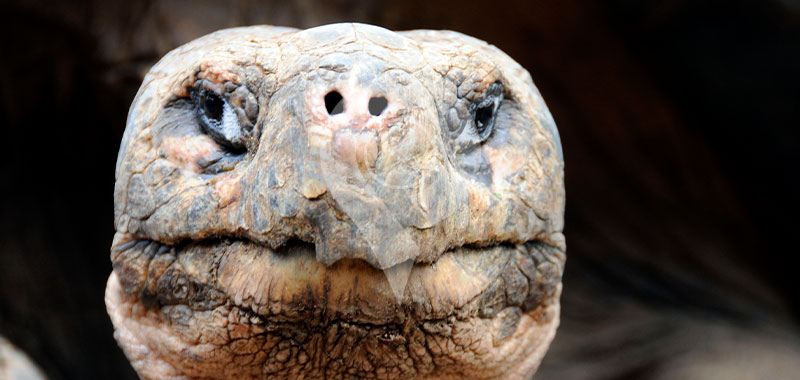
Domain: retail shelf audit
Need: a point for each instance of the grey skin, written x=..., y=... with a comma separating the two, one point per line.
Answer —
x=343, y=201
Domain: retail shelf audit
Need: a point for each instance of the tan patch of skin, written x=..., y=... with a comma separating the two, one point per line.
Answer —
x=283, y=261
x=313, y=189
x=228, y=189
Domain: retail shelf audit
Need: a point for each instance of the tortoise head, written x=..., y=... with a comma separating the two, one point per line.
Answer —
x=339, y=201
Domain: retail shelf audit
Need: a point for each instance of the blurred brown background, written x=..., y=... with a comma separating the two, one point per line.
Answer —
x=679, y=125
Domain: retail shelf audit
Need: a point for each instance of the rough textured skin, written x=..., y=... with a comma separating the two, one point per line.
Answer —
x=415, y=241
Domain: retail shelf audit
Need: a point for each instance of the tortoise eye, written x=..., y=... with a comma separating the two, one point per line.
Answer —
x=213, y=106
x=218, y=119
x=486, y=111
x=484, y=120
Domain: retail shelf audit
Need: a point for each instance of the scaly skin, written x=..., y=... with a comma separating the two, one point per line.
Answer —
x=423, y=239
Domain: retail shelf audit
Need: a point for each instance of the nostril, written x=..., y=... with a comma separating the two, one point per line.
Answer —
x=334, y=103
x=377, y=105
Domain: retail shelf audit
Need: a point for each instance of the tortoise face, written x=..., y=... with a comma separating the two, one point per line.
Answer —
x=339, y=201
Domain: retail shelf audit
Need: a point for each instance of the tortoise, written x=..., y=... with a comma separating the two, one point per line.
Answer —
x=342, y=201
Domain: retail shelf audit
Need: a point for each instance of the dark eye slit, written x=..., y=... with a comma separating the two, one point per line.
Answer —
x=483, y=116
x=213, y=106
x=486, y=111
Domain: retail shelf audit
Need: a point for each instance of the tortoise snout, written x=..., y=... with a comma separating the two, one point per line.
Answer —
x=354, y=116
x=355, y=143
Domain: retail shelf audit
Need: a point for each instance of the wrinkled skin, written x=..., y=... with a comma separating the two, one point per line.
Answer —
x=266, y=230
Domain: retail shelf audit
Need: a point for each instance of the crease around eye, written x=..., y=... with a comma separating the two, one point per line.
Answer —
x=221, y=163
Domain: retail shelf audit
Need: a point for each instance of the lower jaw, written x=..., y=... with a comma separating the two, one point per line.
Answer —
x=238, y=310
x=226, y=341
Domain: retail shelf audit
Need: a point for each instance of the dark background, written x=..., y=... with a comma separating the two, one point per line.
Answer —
x=679, y=125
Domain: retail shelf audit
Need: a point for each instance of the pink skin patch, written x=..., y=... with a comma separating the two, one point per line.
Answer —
x=356, y=148
x=504, y=163
x=353, y=136
x=187, y=151
x=217, y=73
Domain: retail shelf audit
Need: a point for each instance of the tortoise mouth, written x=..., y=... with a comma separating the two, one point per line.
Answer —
x=289, y=285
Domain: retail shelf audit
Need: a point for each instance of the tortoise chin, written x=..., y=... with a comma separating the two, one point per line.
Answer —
x=343, y=201
x=233, y=309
